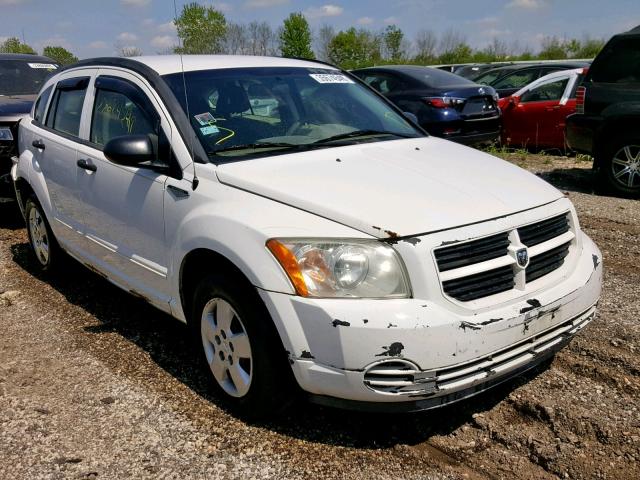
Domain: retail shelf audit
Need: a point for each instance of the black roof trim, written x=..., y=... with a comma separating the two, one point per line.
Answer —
x=166, y=94
x=26, y=57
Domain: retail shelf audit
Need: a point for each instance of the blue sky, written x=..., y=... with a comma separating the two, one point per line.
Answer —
x=94, y=27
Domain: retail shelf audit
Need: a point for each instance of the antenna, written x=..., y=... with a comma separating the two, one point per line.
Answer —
x=195, y=182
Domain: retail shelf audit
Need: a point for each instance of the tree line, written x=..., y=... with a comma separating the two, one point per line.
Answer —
x=203, y=29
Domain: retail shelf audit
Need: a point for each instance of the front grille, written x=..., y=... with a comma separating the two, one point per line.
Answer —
x=540, y=232
x=463, y=254
x=547, y=262
x=487, y=266
x=481, y=284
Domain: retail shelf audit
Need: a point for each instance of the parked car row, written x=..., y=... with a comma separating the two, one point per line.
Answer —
x=458, y=109
x=21, y=78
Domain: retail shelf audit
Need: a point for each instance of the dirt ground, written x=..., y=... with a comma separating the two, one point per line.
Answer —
x=96, y=384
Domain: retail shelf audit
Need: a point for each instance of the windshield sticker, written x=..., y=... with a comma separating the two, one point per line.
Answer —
x=209, y=130
x=48, y=66
x=205, y=118
x=330, y=78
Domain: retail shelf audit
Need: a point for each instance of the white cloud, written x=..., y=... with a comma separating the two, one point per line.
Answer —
x=163, y=41
x=12, y=2
x=324, y=11
x=526, y=4
x=168, y=27
x=127, y=37
x=222, y=6
x=98, y=45
x=391, y=20
x=496, y=32
x=264, y=3
x=135, y=3
x=148, y=22
x=364, y=21
x=56, y=41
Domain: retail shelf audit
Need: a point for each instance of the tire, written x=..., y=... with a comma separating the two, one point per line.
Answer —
x=618, y=171
x=43, y=244
x=240, y=347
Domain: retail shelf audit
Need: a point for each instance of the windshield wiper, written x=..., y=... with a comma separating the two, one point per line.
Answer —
x=256, y=146
x=360, y=133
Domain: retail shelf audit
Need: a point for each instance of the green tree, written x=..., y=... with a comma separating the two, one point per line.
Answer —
x=295, y=37
x=60, y=54
x=553, y=49
x=460, y=53
x=13, y=45
x=354, y=49
x=392, y=38
x=201, y=29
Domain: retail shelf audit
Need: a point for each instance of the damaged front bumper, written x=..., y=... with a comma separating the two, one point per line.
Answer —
x=415, y=354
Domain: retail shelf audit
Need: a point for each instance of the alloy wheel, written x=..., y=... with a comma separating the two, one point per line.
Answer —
x=39, y=236
x=625, y=166
x=226, y=346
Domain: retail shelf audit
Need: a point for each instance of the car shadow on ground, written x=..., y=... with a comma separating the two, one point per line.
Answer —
x=572, y=179
x=10, y=216
x=168, y=344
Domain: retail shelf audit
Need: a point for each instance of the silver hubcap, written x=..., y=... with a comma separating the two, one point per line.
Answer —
x=226, y=345
x=39, y=237
x=626, y=166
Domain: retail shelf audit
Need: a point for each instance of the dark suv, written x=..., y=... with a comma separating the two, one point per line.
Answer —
x=607, y=119
x=21, y=77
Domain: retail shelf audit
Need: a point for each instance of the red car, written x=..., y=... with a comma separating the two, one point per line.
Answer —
x=534, y=117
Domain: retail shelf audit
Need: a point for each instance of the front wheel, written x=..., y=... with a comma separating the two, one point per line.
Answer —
x=241, y=348
x=619, y=171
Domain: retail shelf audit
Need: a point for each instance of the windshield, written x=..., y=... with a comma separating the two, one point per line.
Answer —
x=21, y=77
x=247, y=112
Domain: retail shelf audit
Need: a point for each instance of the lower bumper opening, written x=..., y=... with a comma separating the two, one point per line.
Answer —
x=426, y=390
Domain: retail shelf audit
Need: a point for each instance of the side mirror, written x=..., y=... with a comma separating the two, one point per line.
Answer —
x=411, y=117
x=130, y=150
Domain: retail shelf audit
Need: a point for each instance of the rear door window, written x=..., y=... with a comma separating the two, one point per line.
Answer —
x=619, y=63
x=384, y=83
x=66, y=107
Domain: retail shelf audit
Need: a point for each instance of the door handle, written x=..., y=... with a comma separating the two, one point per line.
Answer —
x=38, y=144
x=84, y=164
x=555, y=107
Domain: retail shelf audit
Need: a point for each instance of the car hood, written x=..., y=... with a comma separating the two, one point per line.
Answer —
x=12, y=105
x=394, y=188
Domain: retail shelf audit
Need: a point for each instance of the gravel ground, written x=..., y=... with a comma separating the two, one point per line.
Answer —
x=96, y=384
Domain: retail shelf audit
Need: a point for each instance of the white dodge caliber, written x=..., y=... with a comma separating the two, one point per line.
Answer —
x=304, y=228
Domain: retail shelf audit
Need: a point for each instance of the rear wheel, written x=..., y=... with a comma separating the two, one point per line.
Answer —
x=43, y=243
x=240, y=347
x=619, y=170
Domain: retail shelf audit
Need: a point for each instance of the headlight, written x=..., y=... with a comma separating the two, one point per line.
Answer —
x=5, y=134
x=342, y=268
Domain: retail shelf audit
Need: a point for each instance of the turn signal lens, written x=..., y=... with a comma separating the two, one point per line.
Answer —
x=290, y=265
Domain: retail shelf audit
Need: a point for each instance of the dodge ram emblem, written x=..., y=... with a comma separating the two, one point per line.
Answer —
x=522, y=256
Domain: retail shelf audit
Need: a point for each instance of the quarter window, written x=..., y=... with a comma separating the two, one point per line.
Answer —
x=66, y=106
x=41, y=105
